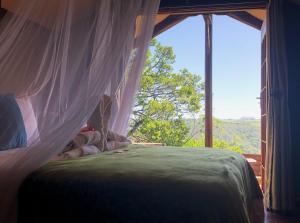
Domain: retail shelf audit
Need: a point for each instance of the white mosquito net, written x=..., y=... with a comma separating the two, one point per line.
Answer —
x=58, y=58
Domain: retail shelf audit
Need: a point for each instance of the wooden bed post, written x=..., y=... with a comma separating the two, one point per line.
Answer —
x=208, y=81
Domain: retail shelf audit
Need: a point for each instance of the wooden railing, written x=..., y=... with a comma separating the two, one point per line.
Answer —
x=256, y=164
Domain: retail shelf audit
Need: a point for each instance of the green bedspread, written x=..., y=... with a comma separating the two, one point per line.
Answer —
x=140, y=184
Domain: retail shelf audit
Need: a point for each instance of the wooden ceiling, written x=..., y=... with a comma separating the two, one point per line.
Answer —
x=258, y=13
x=202, y=6
x=171, y=12
x=253, y=18
x=250, y=12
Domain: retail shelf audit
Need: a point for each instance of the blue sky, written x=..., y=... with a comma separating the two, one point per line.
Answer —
x=236, y=62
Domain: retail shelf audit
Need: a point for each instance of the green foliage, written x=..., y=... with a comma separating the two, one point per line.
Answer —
x=217, y=144
x=163, y=131
x=194, y=143
x=244, y=133
x=164, y=97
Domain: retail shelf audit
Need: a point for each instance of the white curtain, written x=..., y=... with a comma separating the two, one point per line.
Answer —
x=130, y=82
x=59, y=57
x=279, y=194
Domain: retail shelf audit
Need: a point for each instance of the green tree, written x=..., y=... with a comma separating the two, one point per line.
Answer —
x=164, y=98
x=217, y=144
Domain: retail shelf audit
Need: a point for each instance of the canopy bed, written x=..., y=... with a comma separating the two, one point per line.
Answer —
x=144, y=184
x=58, y=58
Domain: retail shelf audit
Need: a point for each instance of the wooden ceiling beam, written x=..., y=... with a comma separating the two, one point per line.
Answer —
x=246, y=18
x=209, y=6
x=167, y=23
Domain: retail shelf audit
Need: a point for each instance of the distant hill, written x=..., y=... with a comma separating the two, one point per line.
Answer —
x=243, y=132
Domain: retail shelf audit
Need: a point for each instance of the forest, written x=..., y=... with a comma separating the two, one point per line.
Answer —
x=169, y=109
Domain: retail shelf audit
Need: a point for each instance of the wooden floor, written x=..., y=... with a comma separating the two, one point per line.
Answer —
x=273, y=218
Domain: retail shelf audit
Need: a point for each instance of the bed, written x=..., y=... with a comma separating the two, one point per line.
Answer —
x=144, y=184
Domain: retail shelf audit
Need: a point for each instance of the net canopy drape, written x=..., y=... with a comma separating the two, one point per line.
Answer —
x=58, y=58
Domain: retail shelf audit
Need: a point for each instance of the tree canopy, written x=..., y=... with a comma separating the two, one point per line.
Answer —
x=165, y=97
x=168, y=105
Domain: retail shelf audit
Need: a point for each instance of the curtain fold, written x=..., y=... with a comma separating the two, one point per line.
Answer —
x=130, y=83
x=59, y=57
x=279, y=194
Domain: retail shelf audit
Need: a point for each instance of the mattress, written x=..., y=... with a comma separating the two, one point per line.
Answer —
x=144, y=184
